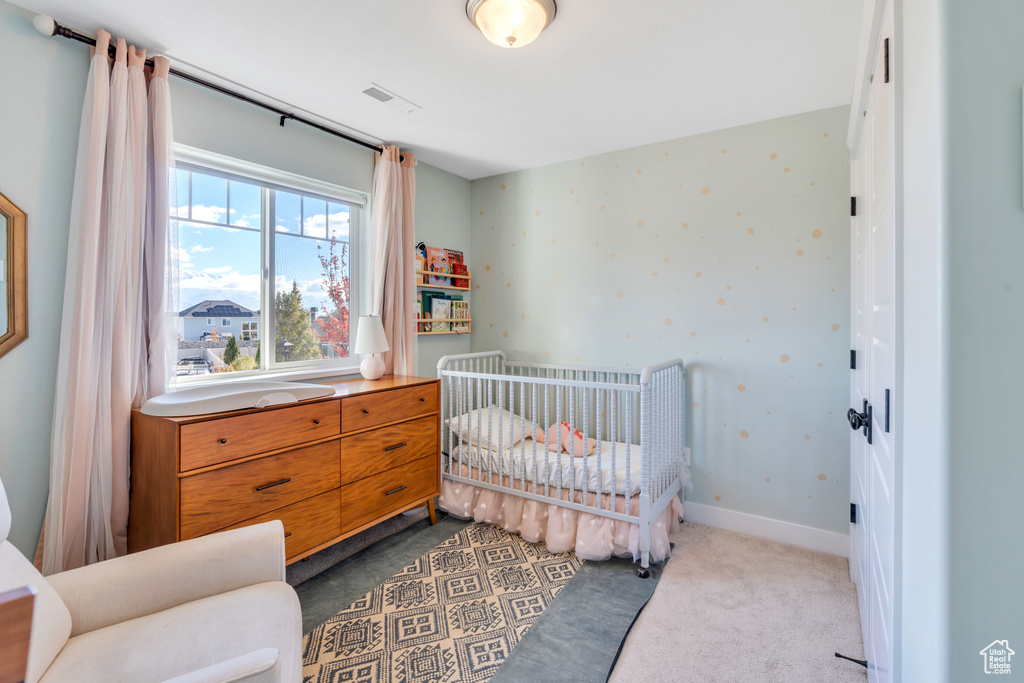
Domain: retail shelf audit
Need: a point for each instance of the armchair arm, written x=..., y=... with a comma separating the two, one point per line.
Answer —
x=151, y=581
x=248, y=667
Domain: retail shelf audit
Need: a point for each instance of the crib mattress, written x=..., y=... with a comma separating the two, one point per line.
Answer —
x=543, y=466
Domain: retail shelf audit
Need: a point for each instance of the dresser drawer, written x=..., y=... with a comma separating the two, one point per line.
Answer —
x=214, y=500
x=307, y=523
x=217, y=441
x=360, y=412
x=368, y=453
x=375, y=496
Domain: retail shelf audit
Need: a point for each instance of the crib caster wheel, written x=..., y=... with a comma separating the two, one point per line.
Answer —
x=642, y=573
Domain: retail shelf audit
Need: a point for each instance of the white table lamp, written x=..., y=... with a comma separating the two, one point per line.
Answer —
x=370, y=339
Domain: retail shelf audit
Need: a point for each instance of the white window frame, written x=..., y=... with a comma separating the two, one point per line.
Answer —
x=244, y=171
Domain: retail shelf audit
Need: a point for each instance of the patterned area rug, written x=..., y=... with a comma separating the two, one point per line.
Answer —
x=454, y=615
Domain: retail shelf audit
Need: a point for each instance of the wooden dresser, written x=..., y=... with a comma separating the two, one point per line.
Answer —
x=327, y=468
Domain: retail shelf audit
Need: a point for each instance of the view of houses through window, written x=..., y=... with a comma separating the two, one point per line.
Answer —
x=231, y=319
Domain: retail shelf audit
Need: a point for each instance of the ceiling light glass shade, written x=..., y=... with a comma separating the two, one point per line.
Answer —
x=511, y=23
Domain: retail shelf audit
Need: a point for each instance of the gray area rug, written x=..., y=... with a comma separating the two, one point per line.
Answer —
x=328, y=557
x=456, y=613
x=333, y=590
x=576, y=638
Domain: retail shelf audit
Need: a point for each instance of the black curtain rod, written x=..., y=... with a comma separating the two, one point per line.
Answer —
x=66, y=32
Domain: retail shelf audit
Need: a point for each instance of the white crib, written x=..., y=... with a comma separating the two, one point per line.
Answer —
x=634, y=477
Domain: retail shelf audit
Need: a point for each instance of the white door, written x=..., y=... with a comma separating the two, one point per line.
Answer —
x=874, y=339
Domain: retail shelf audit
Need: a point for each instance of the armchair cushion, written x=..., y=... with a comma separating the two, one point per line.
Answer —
x=190, y=637
x=254, y=667
x=51, y=621
x=110, y=592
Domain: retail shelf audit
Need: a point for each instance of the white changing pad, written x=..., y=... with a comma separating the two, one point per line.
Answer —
x=596, y=469
x=219, y=398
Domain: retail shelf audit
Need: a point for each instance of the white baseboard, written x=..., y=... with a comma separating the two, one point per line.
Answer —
x=772, y=529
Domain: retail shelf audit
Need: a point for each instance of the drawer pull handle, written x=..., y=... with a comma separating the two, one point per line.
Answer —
x=223, y=440
x=423, y=400
x=316, y=421
x=274, y=483
x=397, y=445
x=400, y=488
x=366, y=412
x=287, y=534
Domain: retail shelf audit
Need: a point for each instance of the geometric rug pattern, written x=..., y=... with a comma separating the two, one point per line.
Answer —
x=453, y=616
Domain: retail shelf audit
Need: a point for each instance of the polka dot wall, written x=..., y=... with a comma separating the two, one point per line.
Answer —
x=729, y=250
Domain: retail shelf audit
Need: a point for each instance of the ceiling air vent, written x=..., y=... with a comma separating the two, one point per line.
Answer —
x=389, y=98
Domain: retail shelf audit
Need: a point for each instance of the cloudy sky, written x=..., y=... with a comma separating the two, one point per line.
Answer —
x=221, y=262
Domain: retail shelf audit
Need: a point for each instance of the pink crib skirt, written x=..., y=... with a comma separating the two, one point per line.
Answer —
x=591, y=536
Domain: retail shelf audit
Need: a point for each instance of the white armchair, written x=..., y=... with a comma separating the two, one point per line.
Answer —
x=214, y=608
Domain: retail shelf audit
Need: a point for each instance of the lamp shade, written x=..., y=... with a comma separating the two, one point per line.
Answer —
x=511, y=23
x=370, y=335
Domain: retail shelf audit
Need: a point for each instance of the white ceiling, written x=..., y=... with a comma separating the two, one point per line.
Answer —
x=604, y=76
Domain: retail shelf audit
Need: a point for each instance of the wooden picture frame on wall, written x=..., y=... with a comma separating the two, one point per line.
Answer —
x=15, y=276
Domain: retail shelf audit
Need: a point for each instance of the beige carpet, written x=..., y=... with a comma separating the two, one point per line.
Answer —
x=731, y=607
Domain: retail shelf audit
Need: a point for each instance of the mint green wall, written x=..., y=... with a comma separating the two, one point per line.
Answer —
x=40, y=139
x=729, y=250
x=986, y=313
x=442, y=220
x=218, y=123
x=43, y=83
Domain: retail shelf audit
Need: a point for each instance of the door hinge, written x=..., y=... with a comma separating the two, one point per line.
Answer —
x=886, y=411
x=853, y=359
x=886, y=60
x=853, y=206
x=853, y=513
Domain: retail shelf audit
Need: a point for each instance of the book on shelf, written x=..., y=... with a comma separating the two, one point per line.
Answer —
x=460, y=311
x=419, y=311
x=437, y=262
x=427, y=309
x=441, y=308
x=456, y=266
x=421, y=264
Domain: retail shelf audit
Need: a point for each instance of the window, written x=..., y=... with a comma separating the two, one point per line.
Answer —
x=275, y=251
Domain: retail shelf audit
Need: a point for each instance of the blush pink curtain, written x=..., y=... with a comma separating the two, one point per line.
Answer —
x=393, y=284
x=116, y=335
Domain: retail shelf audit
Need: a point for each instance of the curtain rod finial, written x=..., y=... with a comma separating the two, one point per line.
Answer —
x=44, y=24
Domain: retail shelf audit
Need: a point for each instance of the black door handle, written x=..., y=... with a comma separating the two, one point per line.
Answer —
x=397, y=445
x=861, y=420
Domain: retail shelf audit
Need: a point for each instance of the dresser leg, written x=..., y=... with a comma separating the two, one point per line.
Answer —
x=432, y=511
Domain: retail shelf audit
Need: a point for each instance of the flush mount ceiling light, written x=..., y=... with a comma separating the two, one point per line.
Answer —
x=511, y=23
